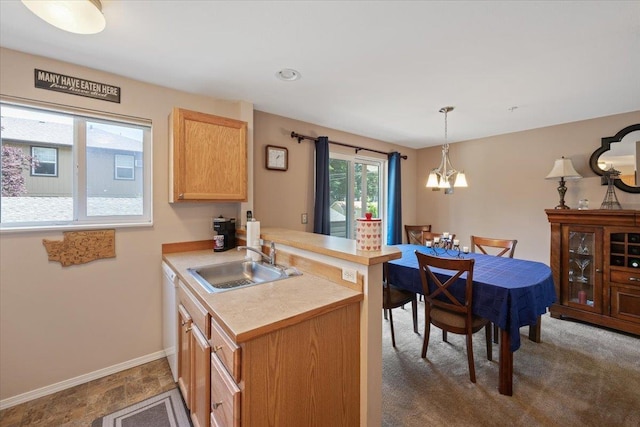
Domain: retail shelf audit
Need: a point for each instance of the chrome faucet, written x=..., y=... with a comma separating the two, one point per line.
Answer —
x=272, y=252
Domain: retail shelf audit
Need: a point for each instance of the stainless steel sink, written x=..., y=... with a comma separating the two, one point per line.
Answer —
x=238, y=274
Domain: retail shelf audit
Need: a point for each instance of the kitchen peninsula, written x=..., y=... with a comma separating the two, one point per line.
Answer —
x=268, y=326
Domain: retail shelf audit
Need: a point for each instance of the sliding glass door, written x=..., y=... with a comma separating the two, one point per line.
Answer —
x=355, y=188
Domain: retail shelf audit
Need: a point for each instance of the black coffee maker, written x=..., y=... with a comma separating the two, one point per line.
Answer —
x=226, y=237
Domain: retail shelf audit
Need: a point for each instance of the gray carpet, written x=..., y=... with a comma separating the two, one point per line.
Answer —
x=164, y=410
x=580, y=375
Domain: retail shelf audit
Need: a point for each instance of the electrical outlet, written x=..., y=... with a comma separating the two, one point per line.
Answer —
x=350, y=275
x=304, y=218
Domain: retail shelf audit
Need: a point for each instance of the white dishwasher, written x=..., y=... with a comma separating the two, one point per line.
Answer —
x=169, y=317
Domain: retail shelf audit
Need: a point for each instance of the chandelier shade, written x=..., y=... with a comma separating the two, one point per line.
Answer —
x=445, y=176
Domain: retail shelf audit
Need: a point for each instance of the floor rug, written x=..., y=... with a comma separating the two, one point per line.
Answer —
x=164, y=410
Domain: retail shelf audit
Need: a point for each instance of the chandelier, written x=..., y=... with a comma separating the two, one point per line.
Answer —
x=445, y=174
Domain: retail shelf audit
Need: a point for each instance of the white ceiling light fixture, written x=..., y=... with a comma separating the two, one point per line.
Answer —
x=442, y=176
x=75, y=16
x=288, y=75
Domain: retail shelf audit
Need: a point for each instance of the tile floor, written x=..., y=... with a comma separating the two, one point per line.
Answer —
x=80, y=405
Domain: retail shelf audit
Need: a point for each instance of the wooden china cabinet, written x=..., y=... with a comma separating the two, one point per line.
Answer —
x=595, y=258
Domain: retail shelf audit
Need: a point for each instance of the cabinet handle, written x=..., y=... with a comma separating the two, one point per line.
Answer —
x=216, y=404
x=216, y=348
x=180, y=196
x=634, y=279
x=187, y=330
x=598, y=270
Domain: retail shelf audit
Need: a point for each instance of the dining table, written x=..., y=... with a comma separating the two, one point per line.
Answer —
x=510, y=292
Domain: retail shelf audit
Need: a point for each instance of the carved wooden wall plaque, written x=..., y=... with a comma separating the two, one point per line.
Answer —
x=80, y=247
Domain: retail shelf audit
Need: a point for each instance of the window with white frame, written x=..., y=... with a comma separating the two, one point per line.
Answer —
x=124, y=166
x=80, y=154
x=45, y=161
x=355, y=188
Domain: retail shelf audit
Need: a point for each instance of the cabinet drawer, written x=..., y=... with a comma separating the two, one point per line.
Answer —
x=225, y=396
x=226, y=350
x=625, y=303
x=625, y=277
x=198, y=313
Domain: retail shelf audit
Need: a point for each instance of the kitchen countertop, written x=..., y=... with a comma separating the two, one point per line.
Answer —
x=247, y=313
x=336, y=247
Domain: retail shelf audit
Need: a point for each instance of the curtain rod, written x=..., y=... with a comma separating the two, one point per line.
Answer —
x=342, y=144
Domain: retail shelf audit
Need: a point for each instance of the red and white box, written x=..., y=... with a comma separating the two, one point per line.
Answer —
x=368, y=233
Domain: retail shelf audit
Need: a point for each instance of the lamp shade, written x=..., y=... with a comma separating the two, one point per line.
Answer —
x=563, y=168
x=75, y=16
x=461, y=180
x=432, y=181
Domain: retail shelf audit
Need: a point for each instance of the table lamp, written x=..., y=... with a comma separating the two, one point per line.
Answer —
x=563, y=169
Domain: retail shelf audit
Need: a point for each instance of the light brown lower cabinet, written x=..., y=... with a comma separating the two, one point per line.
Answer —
x=303, y=374
x=194, y=357
x=201, y=379
x=184, y=353
x=299, y=375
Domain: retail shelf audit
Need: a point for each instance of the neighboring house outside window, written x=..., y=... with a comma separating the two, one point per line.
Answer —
x=45, y=161
x=124, y=166
x=87, y=171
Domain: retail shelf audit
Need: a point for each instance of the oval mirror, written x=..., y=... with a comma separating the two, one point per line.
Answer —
x=620, y=152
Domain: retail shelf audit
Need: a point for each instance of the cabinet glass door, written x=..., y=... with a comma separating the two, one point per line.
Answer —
x=582, y=268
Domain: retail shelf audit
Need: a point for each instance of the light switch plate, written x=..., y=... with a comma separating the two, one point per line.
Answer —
x=304, y=218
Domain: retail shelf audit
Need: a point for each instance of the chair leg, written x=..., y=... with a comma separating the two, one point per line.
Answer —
x=393, y=335
x=427, y=332
x=384, y=311
x=487, y=330
x=414, y=308
x=472, y=369
x=496, y=333
x=444, y=336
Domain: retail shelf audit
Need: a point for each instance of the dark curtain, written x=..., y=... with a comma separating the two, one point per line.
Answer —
x=321, y=221
x=394, y=206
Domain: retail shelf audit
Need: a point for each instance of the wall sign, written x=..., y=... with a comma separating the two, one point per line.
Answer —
x=76, y=86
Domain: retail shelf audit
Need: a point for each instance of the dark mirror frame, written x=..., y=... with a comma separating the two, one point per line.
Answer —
x=606, y=146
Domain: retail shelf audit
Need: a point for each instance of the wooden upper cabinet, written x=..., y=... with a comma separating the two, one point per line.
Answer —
x=208, y=158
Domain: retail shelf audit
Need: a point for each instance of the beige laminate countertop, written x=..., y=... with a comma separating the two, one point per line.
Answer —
x=253, y=311
x=336, y=247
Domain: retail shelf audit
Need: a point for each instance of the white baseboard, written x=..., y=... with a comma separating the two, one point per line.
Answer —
x=72, y=382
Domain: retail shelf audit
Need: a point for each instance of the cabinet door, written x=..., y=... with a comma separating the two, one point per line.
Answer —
x=625, y=303
x=209, y=157
x=582, y=275
x=201, y=379
x=184, y=354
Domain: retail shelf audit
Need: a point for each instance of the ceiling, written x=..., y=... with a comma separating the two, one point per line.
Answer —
x=380, y=69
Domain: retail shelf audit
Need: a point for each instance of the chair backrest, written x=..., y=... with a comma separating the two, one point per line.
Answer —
x=414, y=233
x=503, y=246
x=441, y=293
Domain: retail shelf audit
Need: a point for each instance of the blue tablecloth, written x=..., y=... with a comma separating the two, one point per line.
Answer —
x=510, y=292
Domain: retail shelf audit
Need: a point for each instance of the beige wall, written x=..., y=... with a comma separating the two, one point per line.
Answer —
x=60, y=323
x=508, y=192
x=281, y=197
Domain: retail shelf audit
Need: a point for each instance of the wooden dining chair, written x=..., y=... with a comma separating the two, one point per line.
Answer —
x=394, y=297
x=496, y=247
x=499, y=247
x=450, y=309
x=414, y=233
